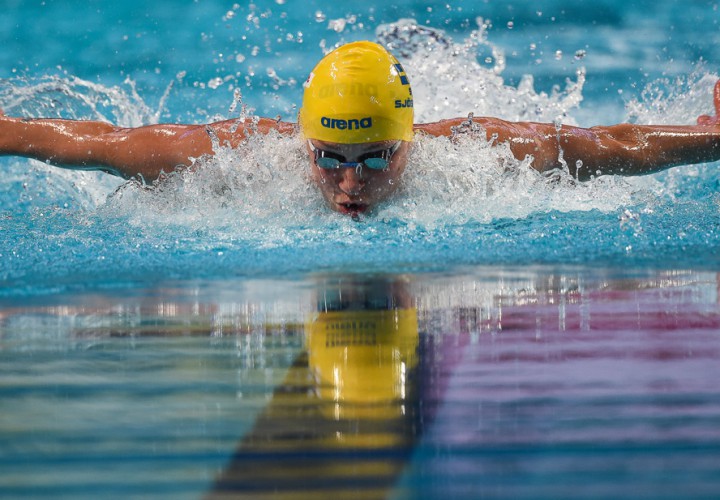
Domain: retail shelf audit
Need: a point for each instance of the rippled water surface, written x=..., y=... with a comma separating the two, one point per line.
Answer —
x=495, y=383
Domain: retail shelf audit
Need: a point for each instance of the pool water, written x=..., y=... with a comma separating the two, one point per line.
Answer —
x=487, y=332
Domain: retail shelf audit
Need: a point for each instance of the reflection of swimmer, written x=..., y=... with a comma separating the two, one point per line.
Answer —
x=361, y=361
x=345, y=419
x=357, y=120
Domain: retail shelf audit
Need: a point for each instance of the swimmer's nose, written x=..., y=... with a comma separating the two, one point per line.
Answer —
x=352, y=181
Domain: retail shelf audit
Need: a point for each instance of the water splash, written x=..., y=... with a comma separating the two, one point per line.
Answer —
x=74, y=98
x=245, y=190
x=264, y=182
x=472, y=180
x=253, y=209
x=679, y=101
x=31, y=183
x=448, y=81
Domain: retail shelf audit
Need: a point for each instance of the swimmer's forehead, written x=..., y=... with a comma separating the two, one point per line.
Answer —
x=364, y=146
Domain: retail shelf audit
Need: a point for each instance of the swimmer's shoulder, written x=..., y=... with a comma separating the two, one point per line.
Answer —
x=447, y=126
x=266, y=125
x=234, y=131
x=255, y=125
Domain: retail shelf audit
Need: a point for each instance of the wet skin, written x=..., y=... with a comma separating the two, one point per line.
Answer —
x=356, y=190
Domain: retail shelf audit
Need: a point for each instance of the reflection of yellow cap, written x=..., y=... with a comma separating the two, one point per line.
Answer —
x=356, y=94
x=362, y=359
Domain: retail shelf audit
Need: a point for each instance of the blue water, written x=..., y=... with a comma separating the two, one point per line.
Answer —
x=131, y=65
x=149, y=330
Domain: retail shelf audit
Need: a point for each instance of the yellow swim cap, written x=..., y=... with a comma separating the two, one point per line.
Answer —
x=362, y=360
x=358, y=93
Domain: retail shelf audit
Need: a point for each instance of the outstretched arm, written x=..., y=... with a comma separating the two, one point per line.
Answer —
x=619, y=149
x=127, y=152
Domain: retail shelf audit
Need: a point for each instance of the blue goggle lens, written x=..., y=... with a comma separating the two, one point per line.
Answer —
x=375, y=160
x=375, y=163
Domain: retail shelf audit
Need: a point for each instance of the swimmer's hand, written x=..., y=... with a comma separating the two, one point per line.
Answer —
x=712, y=120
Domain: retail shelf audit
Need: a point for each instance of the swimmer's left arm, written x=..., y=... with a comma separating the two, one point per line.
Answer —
x=623, y=149
x=635, y=149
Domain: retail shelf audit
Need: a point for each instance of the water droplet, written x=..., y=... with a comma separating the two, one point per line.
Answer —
x=337, y=25
x=215, y=83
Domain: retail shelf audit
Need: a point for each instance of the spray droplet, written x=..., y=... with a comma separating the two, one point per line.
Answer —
x=337, y=25
x=215, y=83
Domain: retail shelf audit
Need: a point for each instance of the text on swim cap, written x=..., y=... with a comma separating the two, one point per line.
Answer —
x=352, y=124
x=343, y=89
x=407, y=103
x=352, y=332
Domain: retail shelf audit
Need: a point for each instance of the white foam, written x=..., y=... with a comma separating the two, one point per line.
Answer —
x=262, y=184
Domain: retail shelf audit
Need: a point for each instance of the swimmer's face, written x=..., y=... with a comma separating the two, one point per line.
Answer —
x=355, y=190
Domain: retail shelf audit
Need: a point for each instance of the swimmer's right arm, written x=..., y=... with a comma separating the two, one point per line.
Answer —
x=144, y=152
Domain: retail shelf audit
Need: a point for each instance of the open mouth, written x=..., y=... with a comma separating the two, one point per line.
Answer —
x=353, y=208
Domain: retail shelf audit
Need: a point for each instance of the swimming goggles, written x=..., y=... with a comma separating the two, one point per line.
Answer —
x=376, y=160
x=364, y=298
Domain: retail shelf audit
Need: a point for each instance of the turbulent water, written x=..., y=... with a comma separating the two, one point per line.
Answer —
x=253, y=211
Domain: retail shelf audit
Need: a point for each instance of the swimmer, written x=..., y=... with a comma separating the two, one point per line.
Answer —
x=357, y=123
